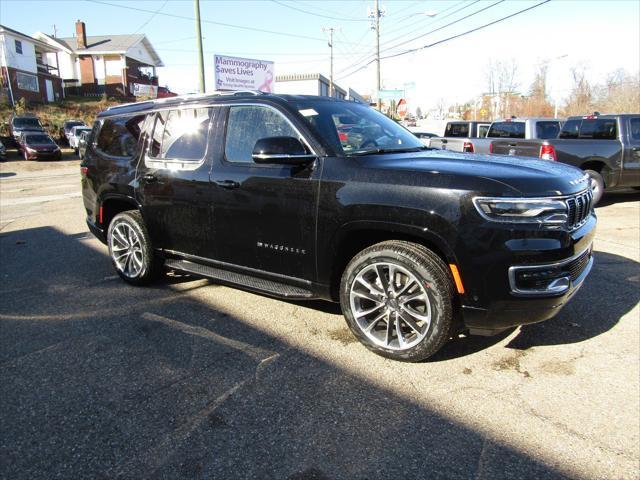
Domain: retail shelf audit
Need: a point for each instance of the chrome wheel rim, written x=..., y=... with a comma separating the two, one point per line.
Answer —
x=390, y=306
x=126, y=250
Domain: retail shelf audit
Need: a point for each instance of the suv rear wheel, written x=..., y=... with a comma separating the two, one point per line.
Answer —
x=397, y=298
x=130, y=248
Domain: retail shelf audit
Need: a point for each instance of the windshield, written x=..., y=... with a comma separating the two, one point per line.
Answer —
x=352, y=128
x=79, y=130
x=70, y=125
x=38, y=139
x=26, y=123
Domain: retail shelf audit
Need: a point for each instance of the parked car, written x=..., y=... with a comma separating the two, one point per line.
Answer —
x=39, y=146
x=75, y=133
x=607, y=147
x=164, y=92
x=416, y=244
x=425, y=137
x=460, y=130
x=82, y=142
x=20, y=124
x=525, y=128
x=65, y=130
x=3, y=152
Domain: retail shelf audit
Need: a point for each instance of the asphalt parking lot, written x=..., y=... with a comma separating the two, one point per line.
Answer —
x=188, y=379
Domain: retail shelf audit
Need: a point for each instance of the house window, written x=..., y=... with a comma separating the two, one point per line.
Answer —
x=18, y=46
x=27, y=82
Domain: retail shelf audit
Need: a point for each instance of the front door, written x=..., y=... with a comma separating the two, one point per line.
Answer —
x=50, y=96
x=264, y=214
x=173, y=180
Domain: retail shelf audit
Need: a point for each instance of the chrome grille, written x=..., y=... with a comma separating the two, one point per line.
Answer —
x=579, y=208
x=577, y=266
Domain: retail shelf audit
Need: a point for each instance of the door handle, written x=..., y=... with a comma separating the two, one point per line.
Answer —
x=149, y=178
x=227, y=184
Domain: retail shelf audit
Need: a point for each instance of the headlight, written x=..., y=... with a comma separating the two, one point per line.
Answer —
x=522, y=210
x=31, y=150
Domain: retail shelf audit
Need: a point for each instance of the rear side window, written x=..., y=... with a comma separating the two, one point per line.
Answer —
x=634, y=131
x=248, y=124
x=599, y=129
x=119, y=136
x=570, y=129
x=482, y=130
x=457, y=130
x=506, y=130
x=546, y=130
x=181, y=134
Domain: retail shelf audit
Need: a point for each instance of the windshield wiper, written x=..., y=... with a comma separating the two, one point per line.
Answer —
x=374, y=151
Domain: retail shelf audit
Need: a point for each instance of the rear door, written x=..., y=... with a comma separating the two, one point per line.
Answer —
x=631, y=164
x=172, y=180
x=265, y=214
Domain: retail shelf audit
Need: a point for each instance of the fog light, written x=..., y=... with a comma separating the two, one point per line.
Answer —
x=541, y=280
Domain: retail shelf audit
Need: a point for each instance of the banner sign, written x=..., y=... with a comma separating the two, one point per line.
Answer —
x=142, y=90
x=390, y=94
x=234, y=73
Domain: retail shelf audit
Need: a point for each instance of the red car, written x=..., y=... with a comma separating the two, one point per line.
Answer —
x=38, y=146
x=164, y=92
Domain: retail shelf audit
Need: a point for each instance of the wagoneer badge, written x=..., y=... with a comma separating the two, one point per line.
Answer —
x=282, y=248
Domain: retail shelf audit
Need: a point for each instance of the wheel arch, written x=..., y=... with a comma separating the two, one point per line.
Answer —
x=111, y=205
x=358, y=236
x=598, y=165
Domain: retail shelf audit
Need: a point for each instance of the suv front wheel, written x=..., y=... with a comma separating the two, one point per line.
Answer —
x=397, y=298
x=130, y=248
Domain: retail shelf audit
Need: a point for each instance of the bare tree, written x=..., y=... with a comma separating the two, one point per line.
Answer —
x=581, y=97
x=619, y=94
x=537, y=103
x=502, y=82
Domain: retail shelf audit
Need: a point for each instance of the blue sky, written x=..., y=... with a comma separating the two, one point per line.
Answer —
x=601, y=36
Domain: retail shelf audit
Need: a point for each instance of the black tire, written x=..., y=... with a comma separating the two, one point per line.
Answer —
x=597, y=183
x=142, y=253
x=433, y=277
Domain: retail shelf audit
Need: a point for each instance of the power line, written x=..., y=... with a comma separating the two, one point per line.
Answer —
x=222, y=24
x=447, y=39
x=437, y=20
x=319, y=14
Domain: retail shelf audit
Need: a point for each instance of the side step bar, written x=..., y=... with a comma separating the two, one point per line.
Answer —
x=241, y=280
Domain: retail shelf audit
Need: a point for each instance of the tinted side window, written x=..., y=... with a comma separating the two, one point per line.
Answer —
x=248, y=124
x=506, y=130
x=599, y=129
x=570, y=129
x=457, y=130
x=119, y=136
x=634, y=128
x=181, y=134
x=546, y=130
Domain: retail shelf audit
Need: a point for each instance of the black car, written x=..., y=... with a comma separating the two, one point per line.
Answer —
x=20, y=124
x=269, y=193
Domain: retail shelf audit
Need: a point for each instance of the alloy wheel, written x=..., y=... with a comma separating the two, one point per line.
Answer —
x=390, y=305
x=126, y=250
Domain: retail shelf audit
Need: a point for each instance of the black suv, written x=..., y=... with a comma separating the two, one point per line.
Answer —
x=306, y=197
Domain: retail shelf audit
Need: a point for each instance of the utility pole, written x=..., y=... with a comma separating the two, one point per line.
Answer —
x=377, y=19
x=55, y=31
x=330, y=30
x=199, y=39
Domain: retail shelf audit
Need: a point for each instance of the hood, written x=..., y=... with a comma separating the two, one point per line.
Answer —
x=498, y=175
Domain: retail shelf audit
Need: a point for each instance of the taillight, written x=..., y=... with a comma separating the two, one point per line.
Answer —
x=343, y=137
x=548, y=152
x=84, y=170
x=491, y=147
x=467, y=147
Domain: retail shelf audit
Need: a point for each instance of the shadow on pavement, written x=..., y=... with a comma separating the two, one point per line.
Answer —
x=611, y=198
x=7, y=174
x=103, y=380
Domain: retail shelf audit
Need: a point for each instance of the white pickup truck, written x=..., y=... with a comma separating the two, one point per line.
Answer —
x=510, y=128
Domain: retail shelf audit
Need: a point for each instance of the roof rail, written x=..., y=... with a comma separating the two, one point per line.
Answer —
x=184, y=97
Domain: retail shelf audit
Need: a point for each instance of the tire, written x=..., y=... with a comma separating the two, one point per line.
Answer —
x=419, y=274
x=597, y=182
x=141, y=265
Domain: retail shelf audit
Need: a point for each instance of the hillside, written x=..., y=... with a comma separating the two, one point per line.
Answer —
x=52, y=115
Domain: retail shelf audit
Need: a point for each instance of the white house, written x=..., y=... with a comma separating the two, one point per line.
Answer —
x=111, y=64
x=27, y=68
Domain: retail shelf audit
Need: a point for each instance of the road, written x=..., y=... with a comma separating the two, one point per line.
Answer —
x=188, y=379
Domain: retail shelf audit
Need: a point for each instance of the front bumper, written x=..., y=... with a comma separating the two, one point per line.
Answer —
x=57, y=155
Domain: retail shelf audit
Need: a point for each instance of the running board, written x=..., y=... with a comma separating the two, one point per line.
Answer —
x=242, y=280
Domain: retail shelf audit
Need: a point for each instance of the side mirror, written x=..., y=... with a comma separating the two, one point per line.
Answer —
x=282, y=150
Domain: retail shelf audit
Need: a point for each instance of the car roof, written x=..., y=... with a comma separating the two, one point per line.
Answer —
x=209, y=99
